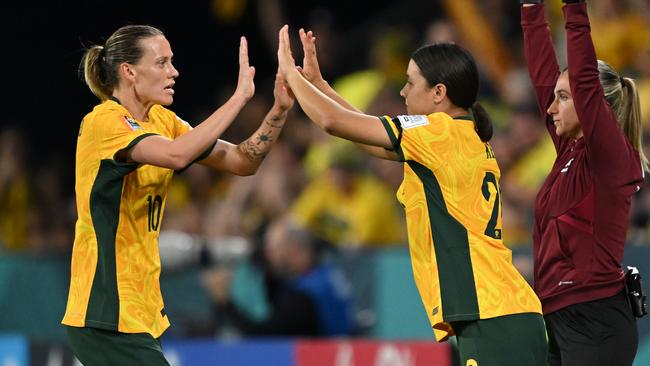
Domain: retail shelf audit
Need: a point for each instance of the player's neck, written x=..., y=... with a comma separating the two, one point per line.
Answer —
x=138, y=108
x=457, y=112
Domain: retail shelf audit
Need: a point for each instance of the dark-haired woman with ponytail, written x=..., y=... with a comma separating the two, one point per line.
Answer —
x=127, y=151
x=582, y=210
x=450, y=193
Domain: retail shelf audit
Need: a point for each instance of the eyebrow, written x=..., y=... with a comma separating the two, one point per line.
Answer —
x=562, y=91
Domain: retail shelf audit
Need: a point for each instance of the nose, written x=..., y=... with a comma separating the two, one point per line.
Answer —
x=174, y=72
x=552, y=109
x=403, y=92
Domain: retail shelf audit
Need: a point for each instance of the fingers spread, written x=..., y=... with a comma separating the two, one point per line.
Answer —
x=303, y=37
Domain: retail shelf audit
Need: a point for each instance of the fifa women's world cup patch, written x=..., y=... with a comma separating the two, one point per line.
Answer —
x=131, y=123
x=413, y=121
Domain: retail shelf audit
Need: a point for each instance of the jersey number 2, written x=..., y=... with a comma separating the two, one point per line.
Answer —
x=155, y=208
x=491, y=228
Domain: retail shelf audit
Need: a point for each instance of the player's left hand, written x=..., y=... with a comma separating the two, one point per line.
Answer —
x=245, y=83
x=286, y=63
x=310, y=68
x=284, y=98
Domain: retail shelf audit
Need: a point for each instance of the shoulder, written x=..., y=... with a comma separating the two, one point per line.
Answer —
x=160, y=112
x=167, y=116
x=106, y=108
x=104, y=115
x=419, y=120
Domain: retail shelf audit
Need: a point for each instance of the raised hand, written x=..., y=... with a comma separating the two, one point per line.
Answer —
x=286, y=63
x=245, y=84
x=284, y=98
x=310, y=68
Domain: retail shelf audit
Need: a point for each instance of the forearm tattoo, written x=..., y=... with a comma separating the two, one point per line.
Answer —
x=257, y=146
x=253, y=151
x=275, y=121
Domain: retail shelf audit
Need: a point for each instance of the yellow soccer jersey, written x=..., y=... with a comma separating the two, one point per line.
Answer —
x=365, y=216
x=450, y=193
x=115, y=270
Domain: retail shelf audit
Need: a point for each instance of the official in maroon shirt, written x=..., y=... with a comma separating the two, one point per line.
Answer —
x=582, y=209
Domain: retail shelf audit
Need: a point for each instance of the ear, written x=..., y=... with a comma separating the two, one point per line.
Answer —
x=438, y=93
x=127, y=72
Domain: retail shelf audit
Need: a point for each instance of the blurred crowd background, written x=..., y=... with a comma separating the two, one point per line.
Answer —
x=216, y=223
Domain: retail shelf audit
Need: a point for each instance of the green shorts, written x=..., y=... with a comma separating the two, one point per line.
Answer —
x=510, y=340
x=97, y=347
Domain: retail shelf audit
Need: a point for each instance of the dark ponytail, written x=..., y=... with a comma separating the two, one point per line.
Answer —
x=482, y=122
x=454, y=66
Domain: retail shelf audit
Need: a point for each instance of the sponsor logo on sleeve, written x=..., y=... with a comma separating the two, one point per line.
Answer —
x=413, y=121
x=131, y=123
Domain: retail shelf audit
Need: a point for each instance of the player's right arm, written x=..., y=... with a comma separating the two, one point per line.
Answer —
x=182, y=151
x=311, y=71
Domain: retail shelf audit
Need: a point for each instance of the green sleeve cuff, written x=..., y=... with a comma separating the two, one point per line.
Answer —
x=396, y=141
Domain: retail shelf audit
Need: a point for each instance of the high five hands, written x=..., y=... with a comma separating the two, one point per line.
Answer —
x=284, y=98
x=286, y=63
x=310, y=68
x=245, y=84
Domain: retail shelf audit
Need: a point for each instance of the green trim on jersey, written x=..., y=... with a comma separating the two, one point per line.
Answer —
x=203, y=155
x=394, y=140
x=451, y=245
x=105, y=196
x=465, y=117
x=135, y=141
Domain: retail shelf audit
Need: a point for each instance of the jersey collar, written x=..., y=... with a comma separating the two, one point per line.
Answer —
x=465, y=117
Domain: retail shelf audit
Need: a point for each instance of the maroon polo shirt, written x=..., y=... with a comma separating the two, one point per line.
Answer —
x=582, y=209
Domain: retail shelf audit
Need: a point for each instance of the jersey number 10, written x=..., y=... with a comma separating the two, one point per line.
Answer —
x=155, y=209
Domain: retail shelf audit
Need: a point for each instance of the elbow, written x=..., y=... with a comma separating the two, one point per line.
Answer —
x=178, y=161
x=332, y=120
x=246, y=171
x=247, y=166
x=328, y=123
x=178, y=165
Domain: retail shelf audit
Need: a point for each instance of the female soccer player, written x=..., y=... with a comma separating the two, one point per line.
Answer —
x=450, y=193
x=127, y=150
x=582, y=210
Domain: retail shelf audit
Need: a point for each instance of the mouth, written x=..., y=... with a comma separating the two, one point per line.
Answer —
x=170, y=88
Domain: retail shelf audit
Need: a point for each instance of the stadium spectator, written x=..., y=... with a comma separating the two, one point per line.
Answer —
x=15, y=191
x=307, y=296
x=347, y=206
